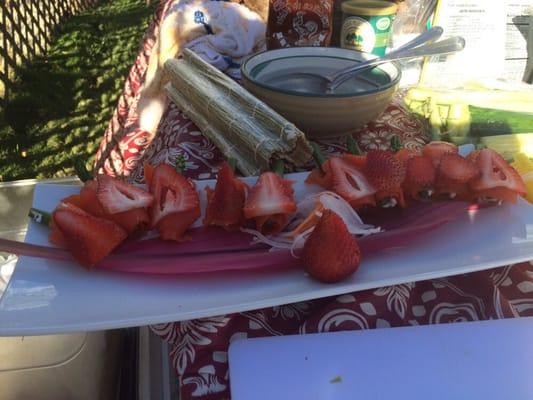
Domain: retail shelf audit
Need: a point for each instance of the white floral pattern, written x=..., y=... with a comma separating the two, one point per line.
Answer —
x=192, y=334
x=205, y=383
x=397, y=296
x=342, y=318
x=448, y=312
x=291, y=311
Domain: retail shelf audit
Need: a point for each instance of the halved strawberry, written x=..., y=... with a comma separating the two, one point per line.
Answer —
x=435, y=150
x=270, y=202
x=176, y=202
x=331, y=253
x=88, y=238
x=226, y=202
x=118, y=196
x=386, y=174
x=419, y=182
x=453, y=175
x=349, y=182
x=497, y=180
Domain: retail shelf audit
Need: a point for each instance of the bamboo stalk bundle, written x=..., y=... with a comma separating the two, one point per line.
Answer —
x=240, y=125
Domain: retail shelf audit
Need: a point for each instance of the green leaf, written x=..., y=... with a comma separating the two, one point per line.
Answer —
x=81, y=170
x=180, y=163
x=318, y=157
x=352, y=146
x=279, y=167
x=232, y=162
x=395, y=143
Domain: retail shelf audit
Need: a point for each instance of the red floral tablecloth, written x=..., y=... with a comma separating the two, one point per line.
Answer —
x=199, y=347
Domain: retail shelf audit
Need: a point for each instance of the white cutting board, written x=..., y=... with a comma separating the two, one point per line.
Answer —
x=489, y=360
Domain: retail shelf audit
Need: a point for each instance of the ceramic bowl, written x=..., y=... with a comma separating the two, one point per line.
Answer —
x=321, y=116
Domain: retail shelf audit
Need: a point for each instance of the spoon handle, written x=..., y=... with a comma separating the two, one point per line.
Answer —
x=430, y=35
x=446, y=46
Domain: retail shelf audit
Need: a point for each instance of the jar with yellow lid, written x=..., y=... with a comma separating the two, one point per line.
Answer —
x=366, y=25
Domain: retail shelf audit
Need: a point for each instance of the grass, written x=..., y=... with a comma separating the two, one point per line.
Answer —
x=62, y=102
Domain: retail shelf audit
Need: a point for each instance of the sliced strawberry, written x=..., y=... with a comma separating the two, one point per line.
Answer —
x=497, y=179
x=386, y=174
x=457, y=168
x=271, y=224
x=403, y=155
x=356, y=161
x=74, y=199
x=320, y=177
x=271, y=197
x=331, y=253
x=474, y=156
x=349, y=182
x=174, y=226
x=117, y=196
x=56, y=236
x=453, y=175
x=323, y=177
x=435, y=150
x=419, y=179
x=496, y=194
x=226, y=202
x=132, y=221
x=89, y=199
x=148, y=173
x=88, y=238
x=176, y=202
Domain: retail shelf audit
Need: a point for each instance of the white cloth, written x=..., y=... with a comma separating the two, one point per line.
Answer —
x=222, y=33
x=236, y=32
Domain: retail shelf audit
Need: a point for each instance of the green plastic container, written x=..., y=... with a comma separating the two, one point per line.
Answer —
x=366, y=25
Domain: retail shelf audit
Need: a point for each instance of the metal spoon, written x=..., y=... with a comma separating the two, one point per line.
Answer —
x=297, y=80
x=446, y=46
x=310, y=82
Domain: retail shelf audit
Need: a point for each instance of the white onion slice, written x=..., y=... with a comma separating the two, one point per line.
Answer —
x=330, y=201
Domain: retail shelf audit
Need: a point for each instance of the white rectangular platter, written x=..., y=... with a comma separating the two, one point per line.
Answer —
x=46, y=297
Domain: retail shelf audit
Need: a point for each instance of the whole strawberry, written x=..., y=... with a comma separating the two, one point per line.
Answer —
x=331, y=253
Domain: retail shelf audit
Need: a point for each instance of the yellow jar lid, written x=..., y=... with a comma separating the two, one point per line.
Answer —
x=369, y=8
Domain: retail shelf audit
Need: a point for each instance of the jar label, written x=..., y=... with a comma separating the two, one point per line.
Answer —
x=383, y=24
x=357, y=34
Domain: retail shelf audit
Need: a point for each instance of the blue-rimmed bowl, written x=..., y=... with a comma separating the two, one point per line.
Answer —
x=322, y=116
